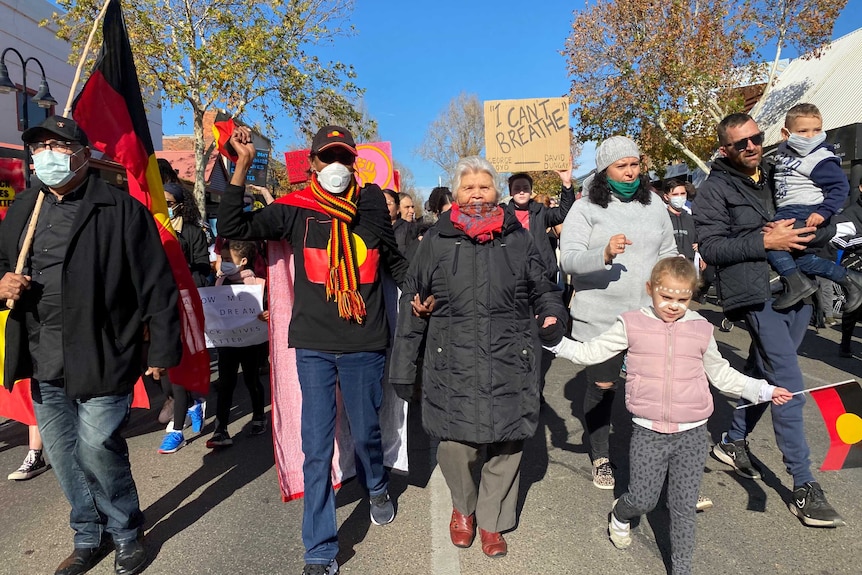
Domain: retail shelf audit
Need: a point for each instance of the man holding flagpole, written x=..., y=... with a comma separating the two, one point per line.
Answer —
x=95, y=284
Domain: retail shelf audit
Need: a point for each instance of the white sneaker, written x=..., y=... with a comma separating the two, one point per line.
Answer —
x=619, y=532
x=34, y=464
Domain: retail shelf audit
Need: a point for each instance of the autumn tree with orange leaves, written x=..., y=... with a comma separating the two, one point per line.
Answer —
x=666, y=71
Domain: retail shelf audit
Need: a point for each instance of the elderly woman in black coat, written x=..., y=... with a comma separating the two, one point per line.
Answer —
x=480, y=374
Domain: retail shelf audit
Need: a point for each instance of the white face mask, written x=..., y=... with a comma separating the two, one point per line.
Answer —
x=804, y=146
x=677, y=202
x=228, y=268
x=54, y=169
x=335, y=178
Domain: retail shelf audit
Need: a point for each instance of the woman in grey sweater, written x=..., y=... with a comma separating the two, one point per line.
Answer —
x=612, y=238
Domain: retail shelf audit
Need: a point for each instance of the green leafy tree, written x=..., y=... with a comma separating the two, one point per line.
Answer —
x=234, y=55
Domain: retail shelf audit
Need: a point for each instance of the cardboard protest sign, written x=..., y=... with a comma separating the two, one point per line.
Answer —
x=11, y=182
x=373, y=165
x=230, y=315
x=528, y=135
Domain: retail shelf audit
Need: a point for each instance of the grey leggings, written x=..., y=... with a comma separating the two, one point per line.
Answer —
x=679, y=457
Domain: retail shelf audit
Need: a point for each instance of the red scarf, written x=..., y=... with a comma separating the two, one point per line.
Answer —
x=480, y=221
x=342, y=285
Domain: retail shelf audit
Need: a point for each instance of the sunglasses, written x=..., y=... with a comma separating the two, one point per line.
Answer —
x=741, y=145
x=337, y=154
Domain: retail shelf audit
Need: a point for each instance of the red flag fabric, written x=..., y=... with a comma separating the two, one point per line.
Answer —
x=221, y=133
x=841, y=408
x=110, y=110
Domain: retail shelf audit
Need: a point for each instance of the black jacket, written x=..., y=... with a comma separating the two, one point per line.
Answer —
x=481, y=364
x=315, y=323
x=116, y=278
x=542, y=218
x=730, y=210
x=193, y=242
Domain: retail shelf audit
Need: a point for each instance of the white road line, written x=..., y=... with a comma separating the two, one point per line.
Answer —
x=444, y=555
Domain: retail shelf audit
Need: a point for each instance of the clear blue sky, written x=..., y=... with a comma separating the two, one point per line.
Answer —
x=414, y=57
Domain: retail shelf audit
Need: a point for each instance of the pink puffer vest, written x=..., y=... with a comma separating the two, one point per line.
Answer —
x=665, y=380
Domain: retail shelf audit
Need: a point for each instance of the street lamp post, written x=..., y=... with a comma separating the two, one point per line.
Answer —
x=42, y=98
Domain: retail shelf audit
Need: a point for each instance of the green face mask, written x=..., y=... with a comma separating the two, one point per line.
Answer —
x=625, y=189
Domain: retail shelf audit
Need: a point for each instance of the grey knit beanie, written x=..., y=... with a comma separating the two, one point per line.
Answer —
x=613, y=149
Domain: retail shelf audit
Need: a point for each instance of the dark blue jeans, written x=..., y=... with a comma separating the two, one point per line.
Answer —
x=776, y=335
x=83, y=442
x=360, y=378
x=786, y=263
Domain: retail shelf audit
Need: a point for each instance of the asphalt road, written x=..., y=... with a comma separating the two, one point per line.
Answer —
x=221, y=512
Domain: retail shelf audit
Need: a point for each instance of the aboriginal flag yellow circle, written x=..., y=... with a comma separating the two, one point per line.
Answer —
x=849, y=428
x=361, y=249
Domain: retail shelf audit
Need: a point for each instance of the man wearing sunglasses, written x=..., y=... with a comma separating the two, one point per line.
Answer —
x=732, y=211
x=95, y=279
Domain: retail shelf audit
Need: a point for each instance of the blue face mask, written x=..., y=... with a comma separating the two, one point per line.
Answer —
x=171, y=213
x=54, y=169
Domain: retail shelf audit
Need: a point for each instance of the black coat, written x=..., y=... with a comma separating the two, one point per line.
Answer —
x=116, y=278
x=542, y=218
x=193, y=242
x=480, y=378
x=730, y=210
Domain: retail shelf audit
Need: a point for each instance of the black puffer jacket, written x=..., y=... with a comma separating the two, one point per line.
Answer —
x=480, y=375
x=730, y=210
x=542, y=218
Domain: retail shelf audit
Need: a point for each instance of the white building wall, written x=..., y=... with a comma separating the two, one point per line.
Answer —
x=20, y=30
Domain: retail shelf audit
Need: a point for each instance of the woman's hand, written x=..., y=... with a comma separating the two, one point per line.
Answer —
x=780, y=396
x=616, y=246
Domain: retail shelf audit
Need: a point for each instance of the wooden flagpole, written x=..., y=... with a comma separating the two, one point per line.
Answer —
x=31, y=228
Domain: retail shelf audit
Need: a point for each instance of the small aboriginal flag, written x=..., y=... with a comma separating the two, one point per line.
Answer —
x=841, y=408
x=221, y=133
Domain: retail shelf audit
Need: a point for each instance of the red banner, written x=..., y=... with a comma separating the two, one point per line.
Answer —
x=11, y=182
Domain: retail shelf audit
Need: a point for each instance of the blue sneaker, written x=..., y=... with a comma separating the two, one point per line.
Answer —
x=196, y=414
x=172, y=442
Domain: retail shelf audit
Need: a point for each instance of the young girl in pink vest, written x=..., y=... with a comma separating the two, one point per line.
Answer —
x=672, y=358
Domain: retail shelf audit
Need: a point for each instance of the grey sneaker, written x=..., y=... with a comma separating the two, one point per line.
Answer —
x=810, y=506
x=382, y=509
x=33, y=465
x=621, y=533
x=737, y=455
x=603, y=473
x=316, y=569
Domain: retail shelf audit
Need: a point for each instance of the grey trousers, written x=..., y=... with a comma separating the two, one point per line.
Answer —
x=495, y=499
x=679, y=457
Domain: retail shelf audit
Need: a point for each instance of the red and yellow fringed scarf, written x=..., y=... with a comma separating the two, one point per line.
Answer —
x=342, y=286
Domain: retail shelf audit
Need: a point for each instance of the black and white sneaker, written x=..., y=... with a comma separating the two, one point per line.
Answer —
x=810, y=506
x=737, y=455
x=382, y=509
x=220, y=438
x=34, y=464
x=316, y=569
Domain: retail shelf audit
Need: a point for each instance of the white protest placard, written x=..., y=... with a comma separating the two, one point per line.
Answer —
x=528, y=135
x=231, y=315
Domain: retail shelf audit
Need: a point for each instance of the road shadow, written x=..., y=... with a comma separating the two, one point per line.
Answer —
x=224, y=471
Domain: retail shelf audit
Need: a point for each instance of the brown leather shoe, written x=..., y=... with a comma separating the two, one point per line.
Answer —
x=83, y=559
x=493, y=544
x=462, y=529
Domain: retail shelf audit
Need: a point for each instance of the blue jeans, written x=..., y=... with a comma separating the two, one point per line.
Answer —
x=83, y=442
x=360, y=377
x=786, y=263
x=776, y=335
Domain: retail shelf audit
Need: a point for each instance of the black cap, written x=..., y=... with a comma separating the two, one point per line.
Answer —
x=518, y=176
x=330, y=136
x=64, y=128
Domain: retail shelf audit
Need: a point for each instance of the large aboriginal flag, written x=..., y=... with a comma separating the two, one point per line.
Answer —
x=841, y=408
x=110, y=110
